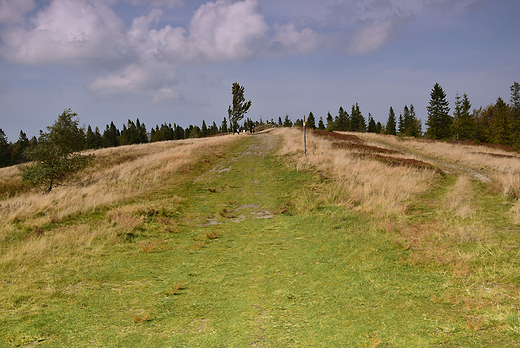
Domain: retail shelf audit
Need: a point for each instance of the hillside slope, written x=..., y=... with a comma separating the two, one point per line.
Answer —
x=242, y=241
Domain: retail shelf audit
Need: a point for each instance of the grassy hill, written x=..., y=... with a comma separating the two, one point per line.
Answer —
x=368, y=241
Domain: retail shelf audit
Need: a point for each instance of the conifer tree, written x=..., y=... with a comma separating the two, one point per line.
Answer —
x=371, y=124
x=342, y=122
x=514, y=112
x=391, y=123
x=330, y=122
x=17, y=154
x=287, y=121
x=239, y=106
x=501, y=126
x=321, y=125
x=311, y=121
x=90, y=141
x=400, y=125
x=204, y=129
x=224, y=127
x=463, y=123
x=439, y=120
x=5, y=154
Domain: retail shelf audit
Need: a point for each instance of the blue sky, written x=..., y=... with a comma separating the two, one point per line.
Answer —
x=174, y=61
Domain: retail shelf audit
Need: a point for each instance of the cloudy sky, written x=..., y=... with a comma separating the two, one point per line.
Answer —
x=174, y=61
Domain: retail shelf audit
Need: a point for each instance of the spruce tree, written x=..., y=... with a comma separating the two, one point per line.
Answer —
x=5, y=154
x=311, y=121
x=372, y=128
x=439, y=120
x=390, y=124
x=463, y=123
x=330, y=122
x=321, y=125
x=501, y=126
x=514, y=112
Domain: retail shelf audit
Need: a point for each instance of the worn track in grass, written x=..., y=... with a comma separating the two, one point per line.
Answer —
x=248, y=270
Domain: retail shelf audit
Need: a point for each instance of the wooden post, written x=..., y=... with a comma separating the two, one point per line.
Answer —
x=304, y=138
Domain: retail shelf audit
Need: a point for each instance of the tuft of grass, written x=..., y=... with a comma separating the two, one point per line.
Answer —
x=212, y=235
x=174, y=289
x=141, y=318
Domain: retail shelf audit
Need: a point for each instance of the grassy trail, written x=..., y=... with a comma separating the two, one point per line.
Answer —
x=245, y=269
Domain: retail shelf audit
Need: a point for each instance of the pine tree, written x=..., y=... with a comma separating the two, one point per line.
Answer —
x=287, y=121
x=90, y=140
x=390, y=124
x=204, y=129
x=17, y=154
x=463, y=123
x=357, y=121
x=5, y=154
x=439, y=120
x=330, y=122
x=321, y=125
x=501, y=126
x=311, y=121
x=239, y=106
x=400, y=125
x=342, y=122
x=514, y=112
x=372, y=128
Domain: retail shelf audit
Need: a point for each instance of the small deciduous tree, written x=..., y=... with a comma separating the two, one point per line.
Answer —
x=239, y=107
x=55, y=158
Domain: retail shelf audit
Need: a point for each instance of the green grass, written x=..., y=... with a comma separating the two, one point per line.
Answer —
x=324, y=278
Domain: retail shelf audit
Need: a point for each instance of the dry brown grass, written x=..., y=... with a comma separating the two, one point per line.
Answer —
x=28, y=232
x=116, y=174
x=364, y=183
x=502, y=166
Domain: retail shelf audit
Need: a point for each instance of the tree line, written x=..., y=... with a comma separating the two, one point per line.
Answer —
x=497, y=123
x=131, y=133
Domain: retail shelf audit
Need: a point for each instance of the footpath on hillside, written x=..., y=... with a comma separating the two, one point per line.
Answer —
x=278, y=278
x=224, y=257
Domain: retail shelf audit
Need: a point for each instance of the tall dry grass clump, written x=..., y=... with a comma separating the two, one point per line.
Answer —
x=364, y=183
x=115, y=175
x=495, y=163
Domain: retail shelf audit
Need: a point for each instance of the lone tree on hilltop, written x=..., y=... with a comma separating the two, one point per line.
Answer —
x=239, y=108
x=55, y=158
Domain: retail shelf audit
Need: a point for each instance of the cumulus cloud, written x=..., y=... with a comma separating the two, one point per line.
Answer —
x=13, y=11
x=372, y=22
x=67, y=31
x=140, y=58
x=371, y=38
x=223, y=31
x=291, y=39
x=157, y=3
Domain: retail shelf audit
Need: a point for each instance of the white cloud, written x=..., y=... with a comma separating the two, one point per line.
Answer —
x=301, y=42
x=157, y=3
x=141, y=59
x=164, y=93
x=67, y=31
x=371, y=38
x=223, y=30
x=12, y=11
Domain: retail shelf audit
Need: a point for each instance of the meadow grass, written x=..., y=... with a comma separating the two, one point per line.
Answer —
x=249, y=244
